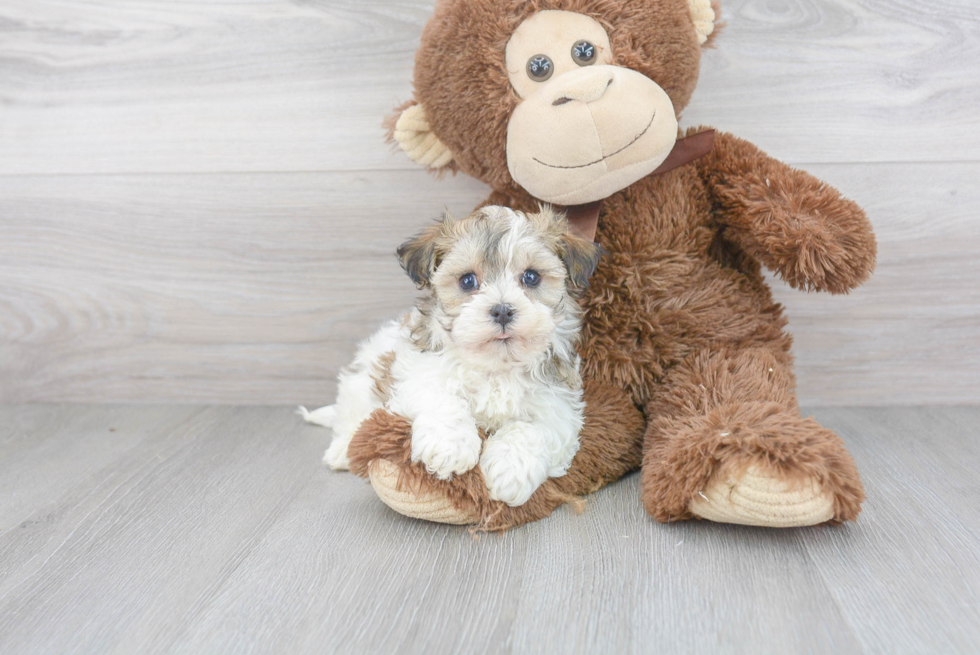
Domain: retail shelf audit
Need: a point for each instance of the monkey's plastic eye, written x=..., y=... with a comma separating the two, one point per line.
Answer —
x=583, y=53
x=468, y=282
x=531, y=278
x=540, y=68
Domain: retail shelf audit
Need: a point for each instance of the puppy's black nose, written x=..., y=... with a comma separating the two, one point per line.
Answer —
x=502, y=314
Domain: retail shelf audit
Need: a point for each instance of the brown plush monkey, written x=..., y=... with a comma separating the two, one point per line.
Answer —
x=687, y=364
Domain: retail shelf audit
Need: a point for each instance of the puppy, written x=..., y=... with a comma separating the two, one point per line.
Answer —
x=491, y=346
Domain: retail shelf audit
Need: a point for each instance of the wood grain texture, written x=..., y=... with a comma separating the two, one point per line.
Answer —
x=916, y=556
x=218, y=530
x=846, y=80
x=256, y=288
x=196, y=206
x=37, y=443
x=912, y=333
x=146, y=86
x=219, y=287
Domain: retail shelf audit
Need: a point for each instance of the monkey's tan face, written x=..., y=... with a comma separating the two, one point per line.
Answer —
x=585, y=128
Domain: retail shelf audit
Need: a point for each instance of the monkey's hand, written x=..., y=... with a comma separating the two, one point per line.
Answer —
x=788, y=220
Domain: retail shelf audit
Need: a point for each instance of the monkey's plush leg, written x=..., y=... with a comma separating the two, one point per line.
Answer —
x=611, y=446
x=726, y=442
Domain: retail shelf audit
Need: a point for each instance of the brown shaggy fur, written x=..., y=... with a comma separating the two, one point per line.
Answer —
x=684, y=350
x=598, y=462
x=731, y=409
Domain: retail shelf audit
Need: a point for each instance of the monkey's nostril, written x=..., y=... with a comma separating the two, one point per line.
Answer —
x=561, y=101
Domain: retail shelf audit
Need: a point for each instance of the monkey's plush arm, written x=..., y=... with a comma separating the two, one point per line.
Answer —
x=791, y=222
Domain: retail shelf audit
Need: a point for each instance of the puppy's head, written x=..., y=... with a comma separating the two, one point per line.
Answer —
x=502, y=283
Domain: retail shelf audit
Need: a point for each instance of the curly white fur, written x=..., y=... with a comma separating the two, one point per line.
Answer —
x=451, y=370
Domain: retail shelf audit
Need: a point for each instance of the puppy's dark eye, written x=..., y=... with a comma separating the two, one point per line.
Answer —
x=540, y=68
x=583, y=53
x=530, y=278
x=468, y=282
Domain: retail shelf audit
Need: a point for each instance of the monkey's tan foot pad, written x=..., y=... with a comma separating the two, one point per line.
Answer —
x=426, y=506
x=758, y=497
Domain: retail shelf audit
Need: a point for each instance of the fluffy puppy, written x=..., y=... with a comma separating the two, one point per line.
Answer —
x=491, y=346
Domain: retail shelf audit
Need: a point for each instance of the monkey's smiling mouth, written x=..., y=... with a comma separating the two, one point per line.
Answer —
x=612, y=154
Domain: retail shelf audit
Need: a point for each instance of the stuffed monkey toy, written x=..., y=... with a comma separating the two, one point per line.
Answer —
x=686, y=360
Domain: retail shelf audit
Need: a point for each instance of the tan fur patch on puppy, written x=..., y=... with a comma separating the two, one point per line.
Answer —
x=498, y=246
x=490, y=349
x=383, y=379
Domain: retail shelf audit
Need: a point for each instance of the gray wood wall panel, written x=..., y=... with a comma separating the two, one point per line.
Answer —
x=271, y=86
x=196, y=205
x=222, y=532
x=249, y=286
x=257, y=287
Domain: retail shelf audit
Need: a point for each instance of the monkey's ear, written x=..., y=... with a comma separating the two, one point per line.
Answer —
x=703, y=15
x=411, y=131
x=581, y=259
x=418, y=255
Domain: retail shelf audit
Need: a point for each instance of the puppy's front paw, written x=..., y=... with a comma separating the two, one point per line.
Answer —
x=512, y=473
x=446, y=448
x=336, y=455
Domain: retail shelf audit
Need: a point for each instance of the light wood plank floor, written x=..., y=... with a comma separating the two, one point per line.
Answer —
x=153, y=529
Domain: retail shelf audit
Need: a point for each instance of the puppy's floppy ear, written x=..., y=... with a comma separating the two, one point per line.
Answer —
x=418, y=255
x=581, y=258
x=410, y=129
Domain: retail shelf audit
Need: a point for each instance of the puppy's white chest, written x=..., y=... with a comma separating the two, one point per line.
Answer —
x=495, y=399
